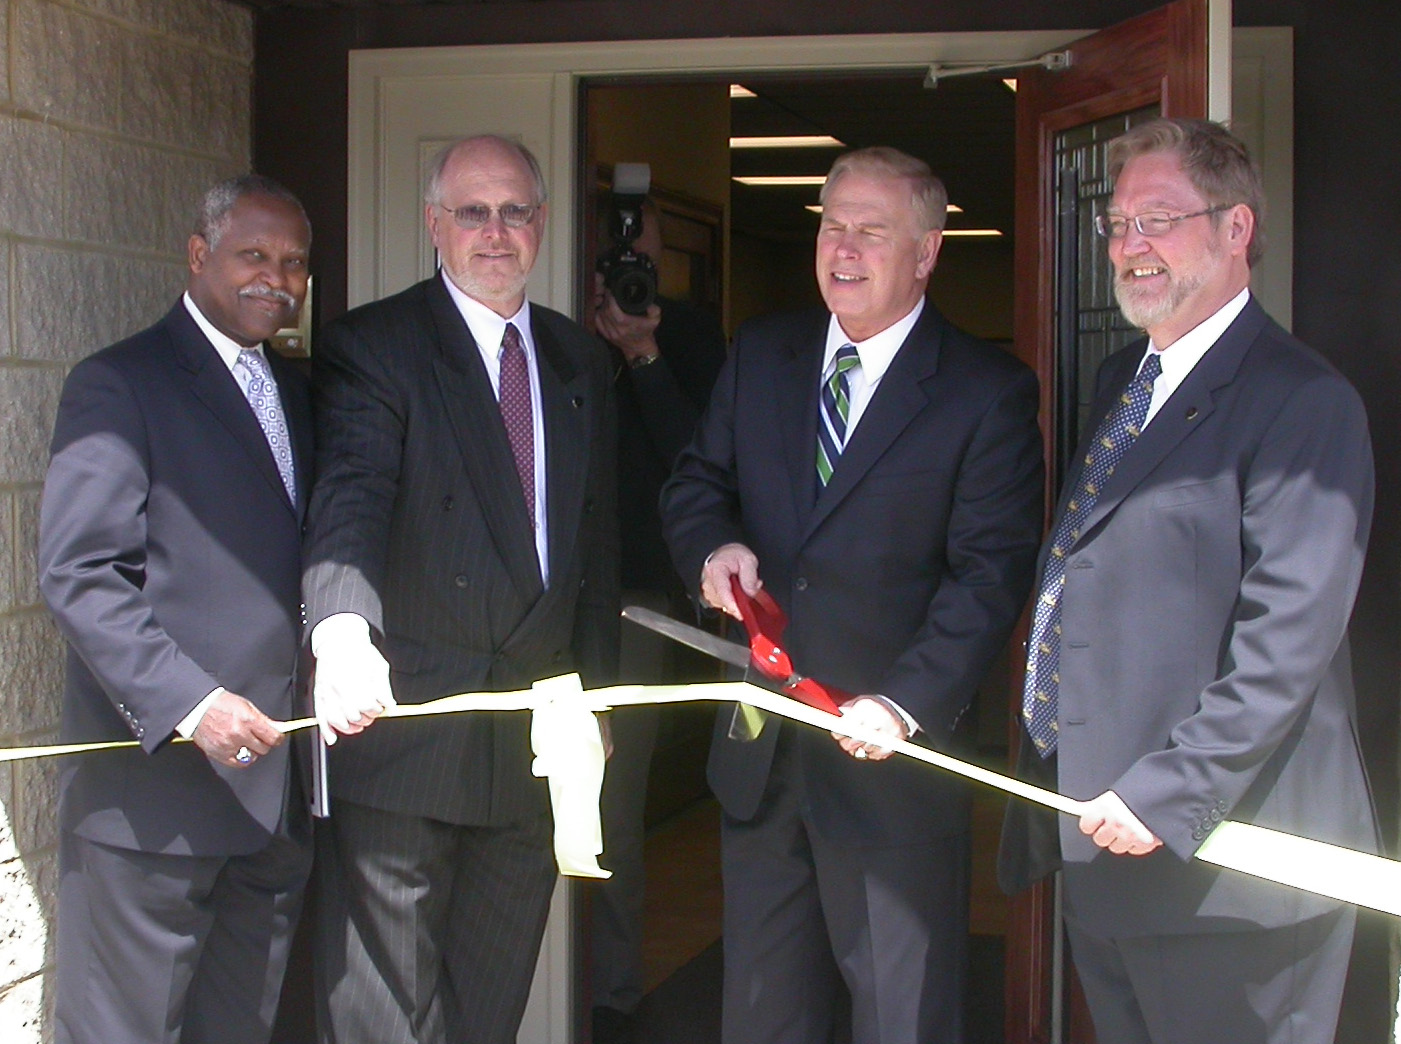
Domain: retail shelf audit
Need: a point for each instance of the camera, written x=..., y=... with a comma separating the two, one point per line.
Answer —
x=631, y=277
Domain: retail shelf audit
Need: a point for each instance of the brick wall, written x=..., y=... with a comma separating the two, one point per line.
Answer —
x=114, y=116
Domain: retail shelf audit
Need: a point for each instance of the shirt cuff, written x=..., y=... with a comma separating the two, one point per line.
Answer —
x=337, y=631
x=191, y=721
x=911, y=726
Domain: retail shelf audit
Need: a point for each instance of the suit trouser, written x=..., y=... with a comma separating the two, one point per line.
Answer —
x=1268, y=986
x=803, y=914
x=427, y=932
x=159, y=949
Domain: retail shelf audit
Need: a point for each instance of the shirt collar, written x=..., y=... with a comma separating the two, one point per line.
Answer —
x=486, y=326
x=226, y=346
x=877, y=352
x=1183, y=354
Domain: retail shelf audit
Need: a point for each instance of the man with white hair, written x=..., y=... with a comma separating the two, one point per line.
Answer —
x=462, y=537
x=878, y=472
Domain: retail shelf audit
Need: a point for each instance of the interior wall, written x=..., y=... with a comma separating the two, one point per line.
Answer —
x=636, y=124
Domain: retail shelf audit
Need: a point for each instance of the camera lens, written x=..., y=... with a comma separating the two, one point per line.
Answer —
x=634, y=288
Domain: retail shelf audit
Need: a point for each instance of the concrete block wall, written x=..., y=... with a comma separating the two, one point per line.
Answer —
x=114, y=116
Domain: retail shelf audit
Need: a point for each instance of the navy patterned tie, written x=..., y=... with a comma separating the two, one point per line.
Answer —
x=516, y=412
x=834, y=410
x=1041, y=694
x=261, y=393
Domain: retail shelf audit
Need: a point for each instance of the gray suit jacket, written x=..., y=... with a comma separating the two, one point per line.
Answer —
x=1204, y=665
x=169, y=556
x=419, y=525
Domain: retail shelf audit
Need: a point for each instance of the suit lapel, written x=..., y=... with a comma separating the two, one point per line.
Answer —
x=475, y=418
x=1186, y=409
x=564, y=395
x=900, y=398
x=218, y=390
x=794, y=391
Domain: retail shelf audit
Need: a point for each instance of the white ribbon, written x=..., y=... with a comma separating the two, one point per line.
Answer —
x=569, y=751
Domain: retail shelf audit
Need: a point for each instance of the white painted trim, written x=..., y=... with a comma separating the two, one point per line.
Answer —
x=1219, y=50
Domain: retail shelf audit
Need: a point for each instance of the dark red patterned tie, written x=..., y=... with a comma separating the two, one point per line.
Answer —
x=516, y=412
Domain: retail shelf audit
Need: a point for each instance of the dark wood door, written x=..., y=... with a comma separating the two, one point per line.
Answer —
x=1065, y=323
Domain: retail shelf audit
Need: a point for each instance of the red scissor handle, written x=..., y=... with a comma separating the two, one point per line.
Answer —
x=765, y=622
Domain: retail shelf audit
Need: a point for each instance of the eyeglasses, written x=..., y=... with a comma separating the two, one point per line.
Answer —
x=476, y=215
x=1153, y=223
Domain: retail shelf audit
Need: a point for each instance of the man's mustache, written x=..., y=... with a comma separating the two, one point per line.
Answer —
x=270, y=294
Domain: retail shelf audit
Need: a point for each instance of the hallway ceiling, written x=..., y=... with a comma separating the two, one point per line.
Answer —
x=965, y=131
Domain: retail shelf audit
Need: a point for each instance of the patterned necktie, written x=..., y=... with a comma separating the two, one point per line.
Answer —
x=833, y=412
x=516, y=412
x=261, y=392
x=1041, y=694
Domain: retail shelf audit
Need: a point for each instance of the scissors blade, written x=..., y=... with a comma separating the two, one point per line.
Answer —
x=702, y=641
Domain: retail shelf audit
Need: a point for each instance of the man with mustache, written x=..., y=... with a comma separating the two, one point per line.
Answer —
x=1188, y=659
x=462, y=538
x=169, y=554
x=878, y=471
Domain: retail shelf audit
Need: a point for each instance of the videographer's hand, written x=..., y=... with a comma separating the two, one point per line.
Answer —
x=633, y=335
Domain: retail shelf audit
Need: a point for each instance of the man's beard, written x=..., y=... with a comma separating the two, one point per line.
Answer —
x=488, y=292
x=1146, y=309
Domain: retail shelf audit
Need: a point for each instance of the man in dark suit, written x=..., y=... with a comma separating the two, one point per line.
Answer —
x=1189, y=660
x=462, y=538
x=169, y=554
x=896, y=524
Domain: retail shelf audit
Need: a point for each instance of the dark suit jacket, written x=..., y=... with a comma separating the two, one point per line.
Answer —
x=902, y=577
x=1204, y=664
x=419, y=525
x=169, y=556
x=658, y=407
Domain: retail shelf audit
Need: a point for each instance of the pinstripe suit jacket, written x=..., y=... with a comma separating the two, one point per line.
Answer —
x=419, y=525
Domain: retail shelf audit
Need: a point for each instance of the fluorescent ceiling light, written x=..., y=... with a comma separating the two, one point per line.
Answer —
x=788, y=141
x=738, y=90
x=775, y=180
x=816, y=208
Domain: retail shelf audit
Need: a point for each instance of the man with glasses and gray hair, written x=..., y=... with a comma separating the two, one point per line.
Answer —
x=461, y=538
x=1188, y=658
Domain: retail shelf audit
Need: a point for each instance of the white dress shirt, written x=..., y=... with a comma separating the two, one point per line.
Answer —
x=1179, y=358
x=876, y=354
x=487, y=330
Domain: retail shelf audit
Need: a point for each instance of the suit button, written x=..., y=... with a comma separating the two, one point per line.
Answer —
x=1197, y=834
x=801, y=583
x=557, y=656
x=583, y=583
x=460, y=580
x=447, y=503
x=1216, y=815
x=588, y=507
x=578, y=401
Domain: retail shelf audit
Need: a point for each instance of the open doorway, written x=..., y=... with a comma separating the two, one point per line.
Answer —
x=764, y=199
